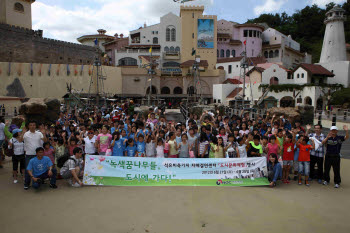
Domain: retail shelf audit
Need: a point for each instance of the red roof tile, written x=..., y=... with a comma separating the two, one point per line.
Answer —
x=256, y=68
x=202, y=63
x=314, y=69
x=232, y=81
x=234, y=92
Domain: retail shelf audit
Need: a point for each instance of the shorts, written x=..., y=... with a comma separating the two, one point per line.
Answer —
x=18, y=159
x=304, y=168
x=66, y=174
x=288, y=162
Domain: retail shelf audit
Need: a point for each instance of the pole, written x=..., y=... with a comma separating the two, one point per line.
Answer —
x=244, y=72
x=97, y=87
x=150, y=71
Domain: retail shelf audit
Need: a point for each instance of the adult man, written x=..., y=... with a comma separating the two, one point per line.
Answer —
x=2, y=138
x=32, y=140
x=332, y=158
x=40, y=168
x=316, y=156
x=73, y=168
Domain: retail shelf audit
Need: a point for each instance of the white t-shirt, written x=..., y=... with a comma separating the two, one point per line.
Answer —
x=18, y=147
x=90, y=145
x=32, y=141
x=2, y=131
x=160, y=151
x=242, y=151
x=150, y=149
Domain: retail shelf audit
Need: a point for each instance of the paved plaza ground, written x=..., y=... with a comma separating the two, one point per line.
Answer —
x=286, y=208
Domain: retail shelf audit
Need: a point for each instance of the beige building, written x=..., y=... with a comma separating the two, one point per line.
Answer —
x=101, y=38
x=16, y=12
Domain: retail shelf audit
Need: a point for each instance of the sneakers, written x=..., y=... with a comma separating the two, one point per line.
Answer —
x=76, y=185
x=325, y=183
x=15, y=181
x=319, y=181
x=299, y=182
x=26, y=187
x=307, y=183
x=336, y=186
x=53, y=186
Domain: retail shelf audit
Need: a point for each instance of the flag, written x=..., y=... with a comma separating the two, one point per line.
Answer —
x=96, y=41
x=150, y=50
x=245, y=42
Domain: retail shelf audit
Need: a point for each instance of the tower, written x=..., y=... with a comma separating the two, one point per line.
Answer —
x=16, y=12
x=334, y=48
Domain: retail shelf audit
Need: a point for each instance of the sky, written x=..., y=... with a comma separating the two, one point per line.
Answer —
x=69, y=19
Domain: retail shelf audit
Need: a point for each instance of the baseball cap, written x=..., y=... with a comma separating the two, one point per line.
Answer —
x=334, y=128
x=16, y=131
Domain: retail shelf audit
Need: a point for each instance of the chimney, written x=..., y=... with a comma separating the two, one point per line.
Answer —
x=145, y=25
x=121, y=35
x=101, y=31
x=116, y=36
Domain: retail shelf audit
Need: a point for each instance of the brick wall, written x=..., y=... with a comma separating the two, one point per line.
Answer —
x=28, y=46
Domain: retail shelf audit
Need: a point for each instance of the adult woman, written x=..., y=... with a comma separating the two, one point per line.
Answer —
x=274, y=170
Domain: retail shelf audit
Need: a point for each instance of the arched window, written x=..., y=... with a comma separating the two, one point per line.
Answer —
x=271, y=54
x=298, y=75
x=127, y=61
x=302, y=75
x=228, y=53
x=165, y=91
x=177, y=49
x=173, y=34
x=19, y=7
x=217, y=53
x=177, y=91
x=154, y=90
x=274, y=81
x=266, y=54
x=167, y=34
x=277, y=53
x=222, y=53
x=155, y=40
x=190, y=90
x=172, y=49
x=166, y=49
x=233, y=53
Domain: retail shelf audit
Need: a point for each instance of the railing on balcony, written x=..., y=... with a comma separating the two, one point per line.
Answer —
x=171, y=72
x=171, y=55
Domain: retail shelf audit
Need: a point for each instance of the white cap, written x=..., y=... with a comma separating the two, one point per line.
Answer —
x=334, y=128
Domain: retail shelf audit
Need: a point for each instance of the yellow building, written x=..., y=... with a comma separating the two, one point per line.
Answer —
x=16, y=12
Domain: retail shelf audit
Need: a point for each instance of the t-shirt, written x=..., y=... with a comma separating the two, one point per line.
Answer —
x=231, y=151
x=2, y=131
x=18, y=147
x=140, y=147
x=39, y=166
x=172, y=148
x=273, y=148
x=151, y=149
x=334, y=144
x=242, y=151
x=50, y=153
x=118, y=148
x=304, y=153
x=90, y=148
x=288, y=151
x=105, y=141
x=32, y=141
x=160, y=151
x=202, y=146
x=130, y=151
x=71, y=163
x=254, y=148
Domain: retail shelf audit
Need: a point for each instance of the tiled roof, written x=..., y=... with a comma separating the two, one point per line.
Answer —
x=189, y=63
x=234, y=93
x=250, y=25
x=256, y=68
x=314, y=69
x=148, y=58
x=235, y=42
x=95, y=36
x=115, y=40
x=232, y=81
x=223, y=35
x=252, y=61
x=256, y=60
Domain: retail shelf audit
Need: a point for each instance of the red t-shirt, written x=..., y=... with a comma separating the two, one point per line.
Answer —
x=304, y=153
x=288, y=151
x=116, y=118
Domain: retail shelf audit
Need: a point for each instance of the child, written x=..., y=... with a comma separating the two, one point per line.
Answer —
x=103, y=140
x=151, y=146
x=49, y=152
x=60, y=149
x=255, y=148
x=160, y=148
x=117, y=144
x=288, y=156
x=272, y=146
x=130, y=150
x=231, y=149
x=219, y=149
x=72, y=143
x=203, y=151
x=274, y=170
x=212, y=145
x=264, y=143
x=173, y=152
x=140, y=145
x=183, y=147
x=242, y=151
x=304, y=158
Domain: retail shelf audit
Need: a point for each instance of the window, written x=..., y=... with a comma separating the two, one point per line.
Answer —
x=222, y=53
x=192, y=35
x=155, y=40
x=157, y=32
x=217, y=53
x=233, y=53
x=171, y=64
x=177, y=91
x=173, y=34
x=320, y=81
x=274, y=81
x=250, y=33
x=227, y=53
x=298, y=75
x=192, y=15
x=127, y=61
x=19, y=7
x=266, y=54
x=254, y=33
x=230, y=69
x=277, y=53
x=271, y=54
x=165, y=91
x=166, y=49
x=177, y=49
x=245, y=33
x=153, y=32
x=167, y=34
x=172, y=49
x=252, y=52
x=302, y=75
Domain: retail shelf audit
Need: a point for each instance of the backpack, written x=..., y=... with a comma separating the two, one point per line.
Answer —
x=62, y=160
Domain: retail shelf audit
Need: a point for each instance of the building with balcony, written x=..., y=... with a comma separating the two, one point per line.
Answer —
x=113, y=46
x=101, y=38
x=231, y=37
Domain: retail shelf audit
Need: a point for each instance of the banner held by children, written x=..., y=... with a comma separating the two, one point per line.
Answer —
x=131, y=171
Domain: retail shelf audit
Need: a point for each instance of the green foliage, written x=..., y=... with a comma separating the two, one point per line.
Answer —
x=341, y=97
x=297, y=87
x=306, y=26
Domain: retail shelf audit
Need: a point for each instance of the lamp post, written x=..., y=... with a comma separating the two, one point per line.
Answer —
x=196, y=79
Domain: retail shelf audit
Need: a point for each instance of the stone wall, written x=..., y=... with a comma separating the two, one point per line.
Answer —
x=28, y=46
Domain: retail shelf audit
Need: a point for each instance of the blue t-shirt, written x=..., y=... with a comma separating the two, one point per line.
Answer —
x=112, y=130
x=130, y=151
x=39, y=167
x=140, y=147
x=118, y=148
